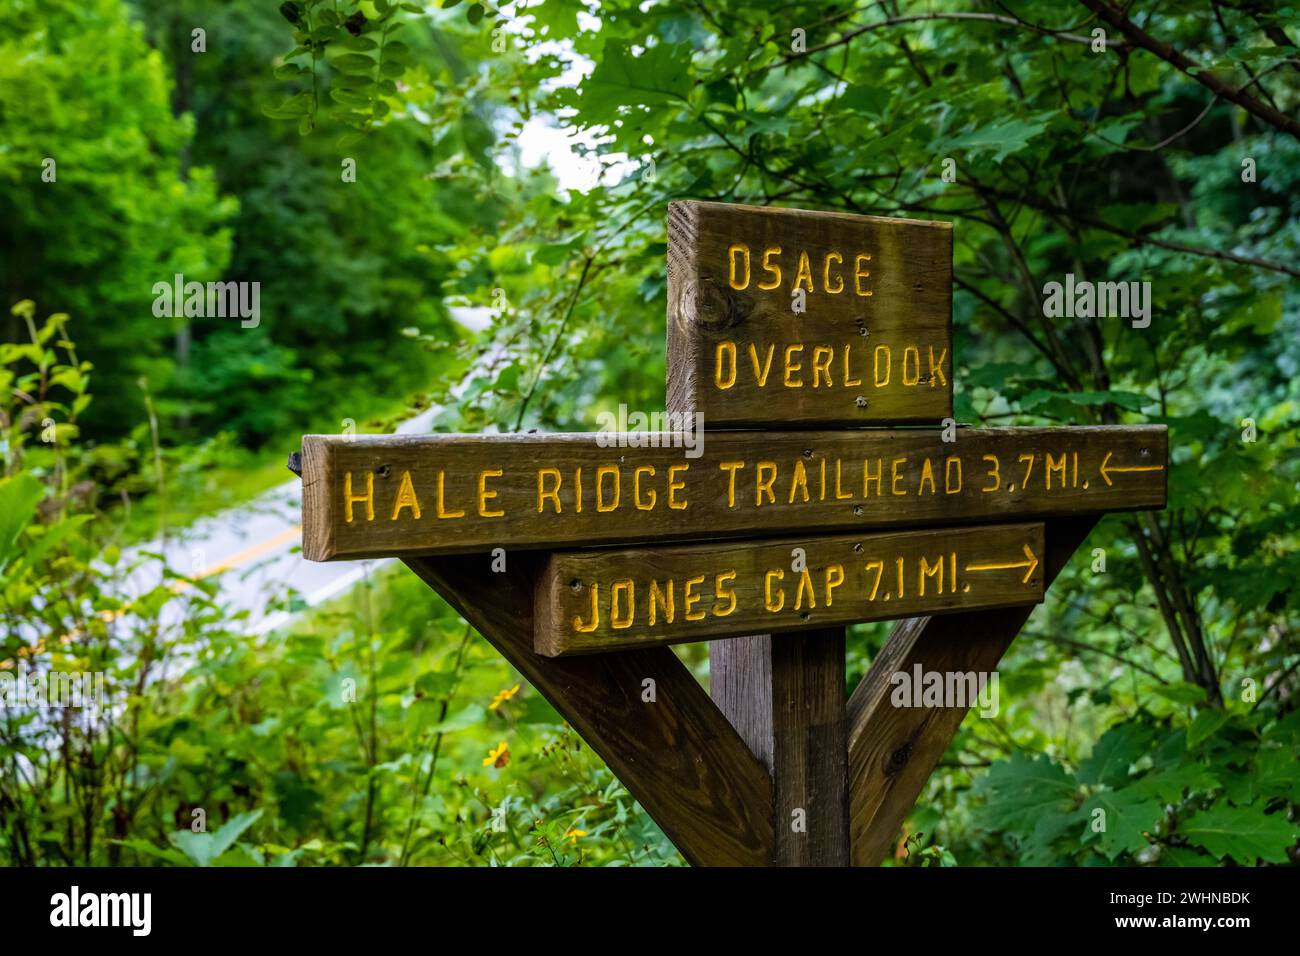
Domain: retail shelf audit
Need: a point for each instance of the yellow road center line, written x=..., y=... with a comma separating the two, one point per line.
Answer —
x=234, y=561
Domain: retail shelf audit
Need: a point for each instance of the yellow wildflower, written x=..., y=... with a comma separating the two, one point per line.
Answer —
x=498, y=757
x=503, y=696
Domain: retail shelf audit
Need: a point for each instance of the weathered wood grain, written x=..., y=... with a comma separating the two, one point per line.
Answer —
x=742, y=484
x=893, y=750
x=872, y=346
x=616, y=599
x=677, y=755
x=786, y=698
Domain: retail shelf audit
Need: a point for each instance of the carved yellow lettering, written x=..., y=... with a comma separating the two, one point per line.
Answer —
x=994, y=473
x=626, y=586
x=764, y=484
x=349, y=499
x=849, y=382
x=823, y=355
x=792, y=368
x=731, y=467
x=805, y=584
x=895, y=477
x=859, y=274
x=937, y=377
x=760, y=375
x=661, y=599
x=724, y=355
x=484, y=495
x=406, y=498
x=804, y=272
x=868, y=478
x=603, y=472
x=743, y=249
x=720, y=590
x=882, y=349
x=926, y=571
x=799, y=483
x=826, y=274
x=927, y=474
x=775, y=270
x=949, y=486
x=840, y=494
x=442, y=508
x=636, y=487
x=834, y=578
x=675, y=486
x=554, y=493
x=689, y=600
x=767, y=590
x=595, y=613
x=914, y=355
x=1052, y=466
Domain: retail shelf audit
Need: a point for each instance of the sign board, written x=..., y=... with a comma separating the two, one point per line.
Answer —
x=610, y=600
x=449, y=494
x=783, y=317
x=777, y=319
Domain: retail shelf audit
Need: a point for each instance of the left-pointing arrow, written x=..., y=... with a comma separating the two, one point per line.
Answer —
x=1122, y=469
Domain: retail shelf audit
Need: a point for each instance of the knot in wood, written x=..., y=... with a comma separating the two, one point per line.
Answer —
x=707, y=307
x=899, y=758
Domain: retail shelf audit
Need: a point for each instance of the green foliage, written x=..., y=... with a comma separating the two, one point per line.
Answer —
x=1152, y=791
x=380, y=730
x=119, y=215
x=1155, y=688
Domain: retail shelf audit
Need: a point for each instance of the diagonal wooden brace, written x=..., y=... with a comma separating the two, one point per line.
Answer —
x=893, y=750
x=678, y=755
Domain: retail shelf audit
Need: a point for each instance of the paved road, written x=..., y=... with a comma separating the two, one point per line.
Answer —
x=255, y=547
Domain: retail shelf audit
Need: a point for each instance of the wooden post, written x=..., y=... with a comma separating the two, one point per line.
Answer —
x=786, y=697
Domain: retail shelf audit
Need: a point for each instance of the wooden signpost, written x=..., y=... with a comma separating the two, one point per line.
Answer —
x=765, y=543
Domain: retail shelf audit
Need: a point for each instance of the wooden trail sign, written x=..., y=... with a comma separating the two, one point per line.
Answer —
x=893, y=523
x=450, y=494
x=784, y=317
x=609, y=600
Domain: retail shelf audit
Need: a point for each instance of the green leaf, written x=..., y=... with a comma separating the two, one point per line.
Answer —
x=1127, y=817
x=658, y=77
x=1245, y=834
x=292, y=108
x=353, y=63
x=1021, y=790
x=52, y=538
x=202, y=848
x=471, y=716
x=1181, y=693
x=1207, y=722
x=19, y=498
x=1002, y=137
x=1112, y=755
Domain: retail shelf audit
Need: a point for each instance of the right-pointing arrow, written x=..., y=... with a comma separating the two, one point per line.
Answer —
x=1030, y=565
